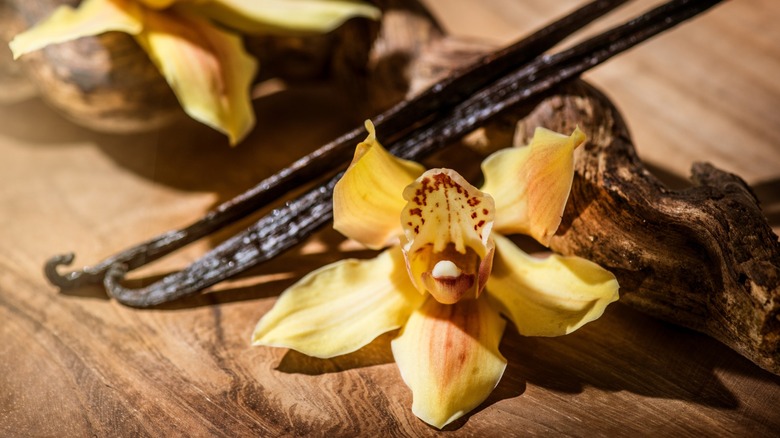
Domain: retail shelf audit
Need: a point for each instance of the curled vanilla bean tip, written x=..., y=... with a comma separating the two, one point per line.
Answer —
x=114, y=275
x=66, y=281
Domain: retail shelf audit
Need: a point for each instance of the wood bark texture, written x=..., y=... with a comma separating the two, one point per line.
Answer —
x=702, y=256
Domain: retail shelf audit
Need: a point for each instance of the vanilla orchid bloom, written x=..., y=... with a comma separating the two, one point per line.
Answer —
x=194, y=43
x=452, y=277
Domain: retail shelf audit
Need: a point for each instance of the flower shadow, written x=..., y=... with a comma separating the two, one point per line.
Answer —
x=375, y=353
x=641, y=360
x=189, y=156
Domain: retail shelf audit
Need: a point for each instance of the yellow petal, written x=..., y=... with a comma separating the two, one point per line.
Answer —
x=448, y=355
x=275, y=16
x=92, y=17
x=341, y=307
x=367, y=201
x=447, y=221
x=159, y=4
x=548, y=297
x=206, y=67
x=531, y=184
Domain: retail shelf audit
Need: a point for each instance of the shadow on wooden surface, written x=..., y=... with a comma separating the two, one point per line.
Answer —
x=180, y=155
x=376, y=353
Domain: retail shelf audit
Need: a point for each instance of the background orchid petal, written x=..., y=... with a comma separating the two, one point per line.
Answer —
x=206, y=67
x=285, y=16
x=367, y=201
x=531, y=184
x=448, y=355
x=92, y=17
x=341, y=307
x=548, y=297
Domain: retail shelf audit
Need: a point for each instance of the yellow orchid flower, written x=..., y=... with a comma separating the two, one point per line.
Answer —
x=454, y=275
x=204, y=62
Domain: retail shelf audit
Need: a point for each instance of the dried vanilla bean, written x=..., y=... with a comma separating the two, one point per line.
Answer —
x=393, y=123
x=295, y=221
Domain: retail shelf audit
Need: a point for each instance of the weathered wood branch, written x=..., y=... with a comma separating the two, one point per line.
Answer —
x=703, y=257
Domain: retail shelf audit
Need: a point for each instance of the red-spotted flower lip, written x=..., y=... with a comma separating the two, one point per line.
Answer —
x=447, y=224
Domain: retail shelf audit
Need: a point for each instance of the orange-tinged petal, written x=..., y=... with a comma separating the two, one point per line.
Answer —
x=548, y=297
x=206, y=67
x=341, y=307
x=92, y=17
x=448, y=355
x=367, y=201
x=447, y=224
x=531, y=184
x=284, y=16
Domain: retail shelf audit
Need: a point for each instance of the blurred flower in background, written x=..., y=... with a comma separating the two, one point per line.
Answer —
x=196, y=44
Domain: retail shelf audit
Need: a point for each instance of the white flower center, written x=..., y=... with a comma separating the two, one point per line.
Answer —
x=445, y=269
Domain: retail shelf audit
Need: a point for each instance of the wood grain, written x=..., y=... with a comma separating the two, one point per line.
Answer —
x=81, y=365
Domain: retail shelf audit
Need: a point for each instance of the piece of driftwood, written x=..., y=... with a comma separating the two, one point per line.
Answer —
x=703, y=257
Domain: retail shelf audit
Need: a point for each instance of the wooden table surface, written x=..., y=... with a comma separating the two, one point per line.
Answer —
x=79, y=364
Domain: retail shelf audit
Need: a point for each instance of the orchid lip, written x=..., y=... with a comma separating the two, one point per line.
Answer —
x=450, y=290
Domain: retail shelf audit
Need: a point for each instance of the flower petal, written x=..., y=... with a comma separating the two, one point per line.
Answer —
x=159, y=4
x=367, y=201
x=447, y=221
x=275, y=16
x=548, y=297
x=531, y=184
x=341, y=307
x=448, y=355
x=206, y=67
x=92, y=17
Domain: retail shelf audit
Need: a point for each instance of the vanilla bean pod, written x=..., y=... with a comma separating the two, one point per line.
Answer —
x=394, y=123
x=290, y=224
